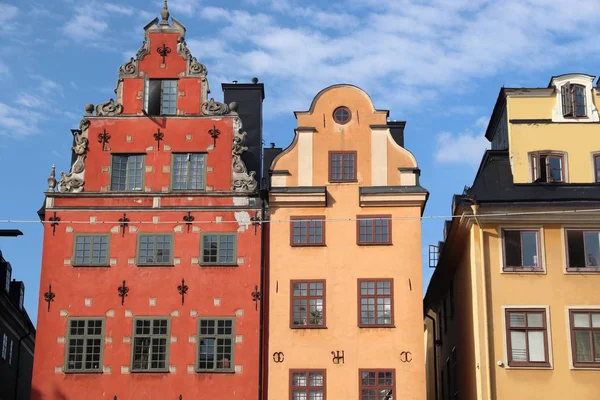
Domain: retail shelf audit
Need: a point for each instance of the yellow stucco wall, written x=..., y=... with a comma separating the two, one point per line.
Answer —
x=578, y=140
x=555, y=290
x=342, y=262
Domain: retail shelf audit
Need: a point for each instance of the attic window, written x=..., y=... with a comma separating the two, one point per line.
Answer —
x=160, y=96
x=342, y=115
x=573, y=100
x=548, y=167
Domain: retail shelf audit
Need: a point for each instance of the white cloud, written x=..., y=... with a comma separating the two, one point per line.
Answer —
x=47, y=86
x=4, y=70
x=30, y=101
x=89, y=24
x=183, y=7
x=18, y=122
x=462, y=148
x=7, y=13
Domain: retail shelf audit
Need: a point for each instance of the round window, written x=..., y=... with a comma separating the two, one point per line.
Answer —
x=342, y=115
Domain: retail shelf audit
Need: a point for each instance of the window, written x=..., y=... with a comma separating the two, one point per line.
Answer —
x=155, y=249
x=597, y=167
x=583, y=248
x=378, y=384
x=160, y=97
x=150, y=344
x=127, y=172
x=307, y=231
x=374, y=229
x=216, y=338
x=445, y=315
x=521, y=249
x=8, y=276
x=573, y=100
x=10, y=352
x=91, y=250
x=547, y=167
x=527, y=340
x=342, y=166
x=375, y=297
x=307, y=384
x=308, y=304
x=4, y=345
x=189, y=171
x=84, y=345
x=585, y=338
x=342, y=115
x=219, y=248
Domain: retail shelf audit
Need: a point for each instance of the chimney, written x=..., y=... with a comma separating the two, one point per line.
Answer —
x=397, y=131
x=5, y=274
x=249, y=98
x=17, y=293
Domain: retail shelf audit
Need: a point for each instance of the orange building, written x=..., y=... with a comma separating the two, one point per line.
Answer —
x=151, y=263
x=344, y=299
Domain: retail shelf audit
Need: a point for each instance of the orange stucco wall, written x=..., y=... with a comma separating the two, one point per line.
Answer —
x=341, y=262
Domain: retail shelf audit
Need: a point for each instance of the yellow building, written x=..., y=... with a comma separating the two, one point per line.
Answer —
x=513, y=307
x=345, y=301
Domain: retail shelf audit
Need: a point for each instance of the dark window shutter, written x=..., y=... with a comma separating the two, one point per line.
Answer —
x=567, y=99
x=154, y=97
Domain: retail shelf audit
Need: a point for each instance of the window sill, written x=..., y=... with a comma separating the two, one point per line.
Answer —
x=217, y=265
x=542, y=367
x=165, y=371
x=301, y=327
x=210, y=371
x=345, y=181
x=583, y=270
x=376, y=326
x=155, y=265
x=309, y=245
x=585, y=367
x=375, y=244
x=83, y=372
x=513, y=270
x=90, y=266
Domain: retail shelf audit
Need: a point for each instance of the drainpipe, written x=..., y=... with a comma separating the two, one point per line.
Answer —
x=18, y=361
x=486, y=334
x=261, y=334
x=435, y=380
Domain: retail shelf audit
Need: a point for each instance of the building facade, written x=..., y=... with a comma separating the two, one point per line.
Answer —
x=151, y=265
x=512, y=310
x=17, y=334
x=344, y=298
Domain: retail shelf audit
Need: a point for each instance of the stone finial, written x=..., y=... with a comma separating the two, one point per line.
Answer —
x=164, y=13
x=52, y=179
x=89, y=109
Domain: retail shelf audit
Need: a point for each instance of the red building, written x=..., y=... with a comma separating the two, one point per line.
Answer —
x=151, y=268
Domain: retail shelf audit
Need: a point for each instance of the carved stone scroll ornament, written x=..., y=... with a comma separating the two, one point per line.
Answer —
x=183, y=49
x=241, y=179
x=143, y=51
x=196, y=68
x=213, y=107
x=129, y=68
x=109, y=109
x=73, y=181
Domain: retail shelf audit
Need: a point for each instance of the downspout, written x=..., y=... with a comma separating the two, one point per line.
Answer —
x=486, y=335
x=263, y=244
x=435, y=344
x=18, y=361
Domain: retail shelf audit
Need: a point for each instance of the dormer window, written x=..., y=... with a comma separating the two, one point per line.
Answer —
x=547, y=167
x=573, y=100
x=160, y=96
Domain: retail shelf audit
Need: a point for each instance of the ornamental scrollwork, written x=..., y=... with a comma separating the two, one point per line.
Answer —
x=129, y=68
x=241, y=179
x=109, y=109
x=196, y=68
x=213, y=107
x=73, y=181
x=143, y=51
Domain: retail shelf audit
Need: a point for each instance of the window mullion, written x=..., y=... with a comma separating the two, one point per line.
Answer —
x=215, y=347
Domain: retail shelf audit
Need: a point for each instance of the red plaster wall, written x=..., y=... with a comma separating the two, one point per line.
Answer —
x=133, y=133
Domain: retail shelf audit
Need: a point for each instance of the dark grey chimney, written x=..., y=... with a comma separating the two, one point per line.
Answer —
x=397, y=131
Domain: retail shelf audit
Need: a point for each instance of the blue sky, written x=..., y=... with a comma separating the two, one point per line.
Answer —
x=436, y=64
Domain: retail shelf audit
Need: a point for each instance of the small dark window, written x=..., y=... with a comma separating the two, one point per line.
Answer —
x=521, y=250
x=84, y=345
x=342, y=115
x=573, y=100
x=91, y=250
x=307, y=231
x=4, y=346
x=127, y=173
x=216, y=338
x=150, y=344
x=155, y=249
x=527, y=338
x=377, y=384
x=160, y=97
x=375, y=299
x=307, y=384
x=597, y=167
x=308, y=304
x=10, y=352
x=342, y=166
x=585, y=338
x=583, y=248
x=218, y=248
x=189, y=171
x=547, y=167
x=374, y=229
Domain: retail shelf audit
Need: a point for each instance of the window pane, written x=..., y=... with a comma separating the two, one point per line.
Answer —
x=555, y=167
x=535, y=320
x=576, y=249
x=596, y=346
x=536, y=346
x=581, y=320
x=518, y=346
x=299, y=379
x=315, y=379
x=582, y=342
x=597, y=161
x=592, y=249
x=596, y=320
x=512, y=248
x=529, y=243
x=517, y=320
